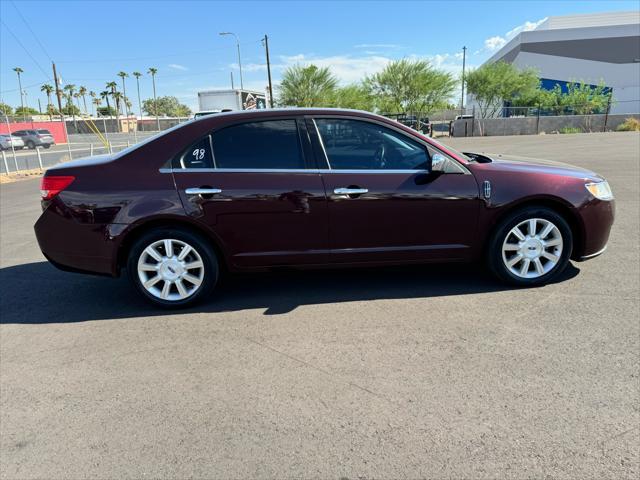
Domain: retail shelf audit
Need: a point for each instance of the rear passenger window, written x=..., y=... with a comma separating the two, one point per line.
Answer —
x=271, y=144
x=198, y=155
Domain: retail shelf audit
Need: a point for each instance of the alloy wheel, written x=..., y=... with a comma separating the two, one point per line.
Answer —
x=170, y=269
x=532, y=248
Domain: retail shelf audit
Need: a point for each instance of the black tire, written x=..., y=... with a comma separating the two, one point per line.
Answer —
x=494, y=249
x=194, y=240
x=30, y=145
x=46, y=145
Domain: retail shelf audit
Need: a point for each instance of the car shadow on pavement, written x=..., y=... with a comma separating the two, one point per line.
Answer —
x=39, y=293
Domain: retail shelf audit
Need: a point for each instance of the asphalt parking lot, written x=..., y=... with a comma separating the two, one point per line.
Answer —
x=422, y=372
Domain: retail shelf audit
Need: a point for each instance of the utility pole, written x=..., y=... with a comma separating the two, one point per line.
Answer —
x=58, y=92
x=232, y=87
x=266, y=47
x=464, y=55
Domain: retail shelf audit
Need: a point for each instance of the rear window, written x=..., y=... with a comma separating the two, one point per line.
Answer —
x=198, y=155
x=44, y=132
x=270, y=144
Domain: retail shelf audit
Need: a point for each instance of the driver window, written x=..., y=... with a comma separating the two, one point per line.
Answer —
x=358, y=145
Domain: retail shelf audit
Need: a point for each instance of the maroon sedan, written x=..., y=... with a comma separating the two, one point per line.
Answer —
x=306, y=187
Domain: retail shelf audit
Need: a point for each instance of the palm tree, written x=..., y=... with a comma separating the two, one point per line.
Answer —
x=83, y=92
x=77, y=97
x=96, y=103
x=18, y=71
x=71, y=89
x=116, y=99
x=92, y=94
x=48, y=89
x=153, y=72
x=308, y=86
x=138, y=75
x=123, y=75
x=105, y=96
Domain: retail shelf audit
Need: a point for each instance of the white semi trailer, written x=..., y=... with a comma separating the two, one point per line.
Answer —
x=233, y=99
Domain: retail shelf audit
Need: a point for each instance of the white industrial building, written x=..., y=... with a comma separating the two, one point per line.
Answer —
x=590, y=48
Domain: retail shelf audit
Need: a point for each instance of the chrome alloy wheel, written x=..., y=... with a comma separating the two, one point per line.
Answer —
x=170, y=269
x=532, y=248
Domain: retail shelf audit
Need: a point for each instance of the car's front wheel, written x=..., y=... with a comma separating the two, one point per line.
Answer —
x=530, y=247
x=172, y=268
x=30, y=145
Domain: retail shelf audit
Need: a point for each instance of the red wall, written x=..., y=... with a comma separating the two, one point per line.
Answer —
x=56, y=128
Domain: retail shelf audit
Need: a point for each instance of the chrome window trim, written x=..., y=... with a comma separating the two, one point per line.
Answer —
x=390, y=127
x=286, y=170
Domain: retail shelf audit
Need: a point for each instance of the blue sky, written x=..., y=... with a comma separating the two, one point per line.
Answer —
x=92, y=41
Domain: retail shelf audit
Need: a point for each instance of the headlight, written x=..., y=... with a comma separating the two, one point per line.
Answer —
x=600, y=190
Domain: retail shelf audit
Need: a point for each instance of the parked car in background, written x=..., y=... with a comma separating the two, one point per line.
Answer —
x=10, y=141
x=36, y=138
x=309, y=187
x=421, y=124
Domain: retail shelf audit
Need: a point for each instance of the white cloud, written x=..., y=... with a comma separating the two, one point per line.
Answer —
x=492, y=44
x=376, y=45
x=346, y=67
x=525, y=27
x=176, y=66
x=496, y=42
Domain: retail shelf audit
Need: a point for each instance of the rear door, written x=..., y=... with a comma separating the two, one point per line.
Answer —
x=252, y=184
x=384, y=204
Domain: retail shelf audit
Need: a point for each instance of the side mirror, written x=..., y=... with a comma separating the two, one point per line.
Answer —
x=438, y=163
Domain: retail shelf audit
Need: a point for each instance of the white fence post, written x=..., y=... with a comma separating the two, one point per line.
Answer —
x=91, y=149
x=6, y=166
x=15, y=160
x=39, y=157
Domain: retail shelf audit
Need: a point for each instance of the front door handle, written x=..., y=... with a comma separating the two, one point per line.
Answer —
x=202, y=191
x=350, y=191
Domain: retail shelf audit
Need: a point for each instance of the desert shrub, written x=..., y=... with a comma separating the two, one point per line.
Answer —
x=629, y=125
x=570, y=130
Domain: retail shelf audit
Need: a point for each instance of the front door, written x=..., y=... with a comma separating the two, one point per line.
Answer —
x=250, y=183
x=384, y=205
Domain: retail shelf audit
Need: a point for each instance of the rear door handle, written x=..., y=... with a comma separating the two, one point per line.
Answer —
x=350, y=191
x=202, y=191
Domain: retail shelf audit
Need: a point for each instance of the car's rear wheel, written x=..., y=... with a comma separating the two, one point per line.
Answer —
x=530, y=247
x=46, y=145
x=31, y=145
x=173, y=268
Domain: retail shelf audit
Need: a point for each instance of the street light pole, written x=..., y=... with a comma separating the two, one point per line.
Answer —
x=464, y=55
x=239, y=59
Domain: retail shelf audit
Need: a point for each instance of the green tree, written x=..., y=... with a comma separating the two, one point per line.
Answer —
x=48, y=89
x=138, y=75
x=153, y=71
x=124, y=75
x=113, y=88
x=413, y=86
x=105, y=111
x=357, y=96
x=71, y=109
x=584, y=99
x=24, y=111
x=307, y=86
x=495, y=83
x=82, y=92
x=5, y=109
x=166, y=106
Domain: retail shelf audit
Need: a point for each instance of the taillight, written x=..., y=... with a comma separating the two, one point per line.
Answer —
x=52, y=185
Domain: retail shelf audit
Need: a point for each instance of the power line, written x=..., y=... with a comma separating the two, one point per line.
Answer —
x=168, y=55
x=32, y=32
x=26, y=51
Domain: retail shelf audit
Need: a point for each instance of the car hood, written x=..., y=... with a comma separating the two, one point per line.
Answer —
x=516, y=164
